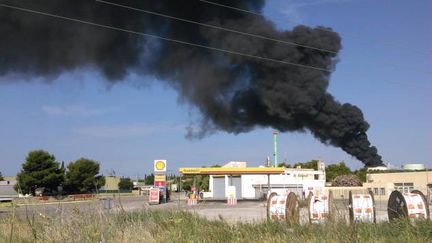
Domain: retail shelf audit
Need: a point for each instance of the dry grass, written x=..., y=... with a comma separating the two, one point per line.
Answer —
x=181, y=226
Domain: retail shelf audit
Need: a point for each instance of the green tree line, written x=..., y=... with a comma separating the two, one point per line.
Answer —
x=41, y=170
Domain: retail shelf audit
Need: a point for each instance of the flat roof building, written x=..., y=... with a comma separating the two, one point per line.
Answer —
x=256, y=182
x=383, y=183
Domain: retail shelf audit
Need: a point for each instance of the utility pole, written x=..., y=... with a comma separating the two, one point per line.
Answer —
x=275, y=152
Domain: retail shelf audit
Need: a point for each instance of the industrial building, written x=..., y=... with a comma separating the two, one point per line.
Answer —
x=382, y=183
x=255, y=182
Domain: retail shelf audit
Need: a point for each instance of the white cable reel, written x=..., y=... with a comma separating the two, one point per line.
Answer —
x=321, y=208
x=411, y=205
x=362, y=208
x=283, y=208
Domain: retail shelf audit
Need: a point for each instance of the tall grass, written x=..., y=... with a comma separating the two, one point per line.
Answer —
x=181, y=226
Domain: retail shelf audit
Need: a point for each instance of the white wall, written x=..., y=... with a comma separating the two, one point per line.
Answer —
x=303, y=178
x=248, y=191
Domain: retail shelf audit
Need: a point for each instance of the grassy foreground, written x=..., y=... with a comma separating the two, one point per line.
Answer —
x=179, y=226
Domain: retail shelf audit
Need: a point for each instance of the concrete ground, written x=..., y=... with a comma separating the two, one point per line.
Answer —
x=256, y=211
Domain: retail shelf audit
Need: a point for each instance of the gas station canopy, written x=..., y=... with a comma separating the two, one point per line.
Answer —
x=232, y=171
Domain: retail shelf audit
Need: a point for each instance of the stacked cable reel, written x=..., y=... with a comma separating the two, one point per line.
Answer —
x=362, y=208
x=283, y=208
x=409, y=205
x=321, y=208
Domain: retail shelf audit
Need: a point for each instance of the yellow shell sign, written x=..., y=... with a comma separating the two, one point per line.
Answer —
x=160, y=165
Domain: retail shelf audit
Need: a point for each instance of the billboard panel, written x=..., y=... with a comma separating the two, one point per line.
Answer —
x=160, y=177
x=160, y=183
x=154, y=196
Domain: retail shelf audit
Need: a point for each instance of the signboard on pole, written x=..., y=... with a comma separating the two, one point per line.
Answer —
x=154, y=196
x=160, y=177
x=160, y=166
x=160, y=169
x=160, y=183
x=160, y=180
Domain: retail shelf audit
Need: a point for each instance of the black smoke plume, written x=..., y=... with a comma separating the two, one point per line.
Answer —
x=233, y=93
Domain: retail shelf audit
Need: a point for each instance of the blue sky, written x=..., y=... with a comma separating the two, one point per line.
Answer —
x=384, y=68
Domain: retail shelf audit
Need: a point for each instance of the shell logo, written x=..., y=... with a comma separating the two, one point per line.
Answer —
x=160, y=165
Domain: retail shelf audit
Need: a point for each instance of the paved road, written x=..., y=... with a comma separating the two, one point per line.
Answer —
x=56, y=207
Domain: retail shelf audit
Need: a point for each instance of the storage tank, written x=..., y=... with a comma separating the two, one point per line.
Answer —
x=414, y=167
x=377, y=168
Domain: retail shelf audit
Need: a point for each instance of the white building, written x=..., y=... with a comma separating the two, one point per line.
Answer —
x=254, y=186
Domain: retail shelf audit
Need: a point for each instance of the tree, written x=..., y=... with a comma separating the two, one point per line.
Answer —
x=334, y=170
x=1, y=176
x=82, y=176
x=361, y=174
x=313, y=164
x=149, y=179
x=201, y=182
x=125, y=184
x=284, y=164
x=346, y=180
x=39, y=170
x=187, y=182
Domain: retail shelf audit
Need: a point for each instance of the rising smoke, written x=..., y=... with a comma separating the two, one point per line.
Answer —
x=232, y=93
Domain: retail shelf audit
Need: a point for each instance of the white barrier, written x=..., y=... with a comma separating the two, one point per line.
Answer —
x=192, y=201
x=232, y=201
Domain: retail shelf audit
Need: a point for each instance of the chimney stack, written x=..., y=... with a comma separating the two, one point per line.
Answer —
x=275, y=151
